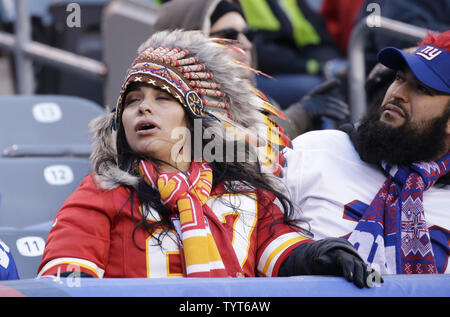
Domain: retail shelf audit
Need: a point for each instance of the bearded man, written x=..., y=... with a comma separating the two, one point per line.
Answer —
x=386, y=184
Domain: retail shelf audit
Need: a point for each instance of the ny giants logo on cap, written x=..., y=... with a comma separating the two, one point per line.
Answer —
x=429, y=52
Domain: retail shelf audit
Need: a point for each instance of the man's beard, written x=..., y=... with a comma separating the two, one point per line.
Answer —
x=376, y=141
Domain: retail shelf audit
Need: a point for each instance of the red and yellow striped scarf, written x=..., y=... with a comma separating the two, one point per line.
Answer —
x=188, y=194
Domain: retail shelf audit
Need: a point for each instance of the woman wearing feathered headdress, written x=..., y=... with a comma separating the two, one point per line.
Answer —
x=184, y=180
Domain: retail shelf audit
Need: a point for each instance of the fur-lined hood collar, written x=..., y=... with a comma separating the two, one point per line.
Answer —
x=104, y=155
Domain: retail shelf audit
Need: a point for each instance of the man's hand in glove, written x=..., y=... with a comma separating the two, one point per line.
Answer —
x=314, y=106
x=329, y=256
x=320, y=103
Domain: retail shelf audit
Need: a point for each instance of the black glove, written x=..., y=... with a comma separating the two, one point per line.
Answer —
x=329, y=256
x=319, y=103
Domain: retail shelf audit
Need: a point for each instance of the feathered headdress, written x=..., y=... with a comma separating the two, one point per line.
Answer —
x=200, y=73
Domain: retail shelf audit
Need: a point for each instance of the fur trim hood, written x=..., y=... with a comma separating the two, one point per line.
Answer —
x=104, y=155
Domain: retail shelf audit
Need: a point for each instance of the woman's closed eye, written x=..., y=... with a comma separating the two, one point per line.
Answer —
x=164, y=96
x=132, y=97
x=130, y=101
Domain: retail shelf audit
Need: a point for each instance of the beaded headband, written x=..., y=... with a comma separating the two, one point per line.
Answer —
x=173, y=61
x=183, y=77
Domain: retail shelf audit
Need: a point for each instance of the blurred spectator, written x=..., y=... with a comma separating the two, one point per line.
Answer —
x=292, y=45
x=226, y=19
x=213, y=17
x=8, y=270
x=340, y=16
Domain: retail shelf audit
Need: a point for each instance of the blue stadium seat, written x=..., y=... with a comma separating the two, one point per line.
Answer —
x=26, y=247
x=45, y=143
x=33, y=189
x=46, y=125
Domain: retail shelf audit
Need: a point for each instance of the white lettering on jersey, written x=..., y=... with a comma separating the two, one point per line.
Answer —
x=4, y=259
x=242, y=218
x=246, y=212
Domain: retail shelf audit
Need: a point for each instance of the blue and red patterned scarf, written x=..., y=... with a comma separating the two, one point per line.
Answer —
x=392, y=234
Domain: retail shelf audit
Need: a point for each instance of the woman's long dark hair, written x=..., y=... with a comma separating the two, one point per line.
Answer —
x=232, y=174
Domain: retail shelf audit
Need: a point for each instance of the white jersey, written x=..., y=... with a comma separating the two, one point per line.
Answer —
x=326, y=177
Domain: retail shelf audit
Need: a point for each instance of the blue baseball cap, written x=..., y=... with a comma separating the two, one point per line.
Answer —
x=429, y=63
